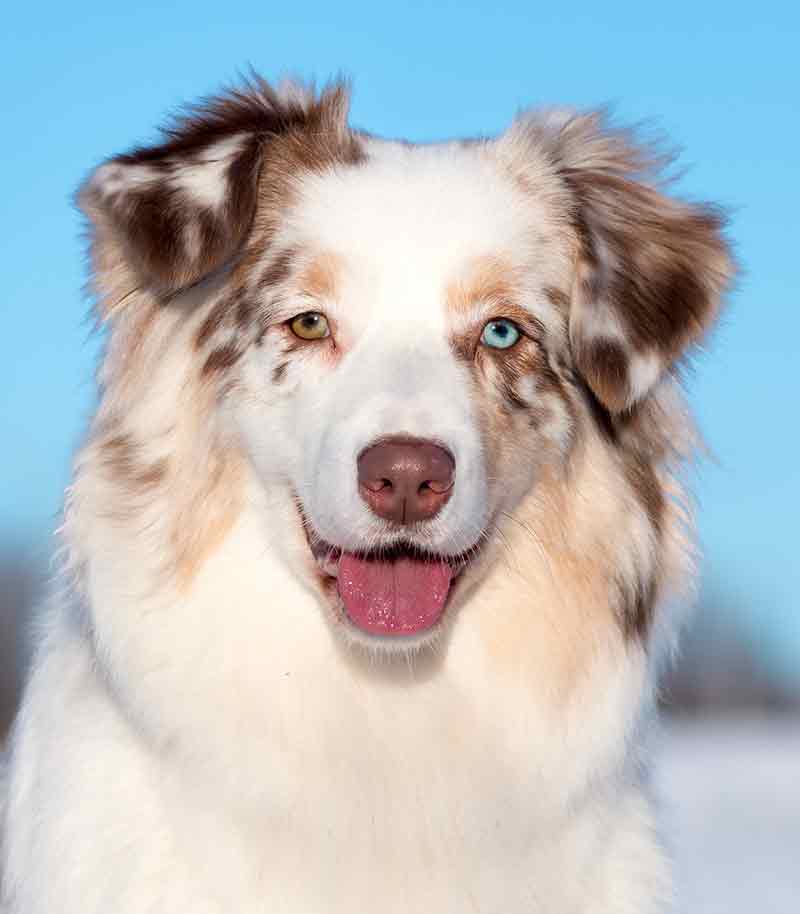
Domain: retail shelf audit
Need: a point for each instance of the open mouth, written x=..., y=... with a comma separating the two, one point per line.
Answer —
x=396, y=591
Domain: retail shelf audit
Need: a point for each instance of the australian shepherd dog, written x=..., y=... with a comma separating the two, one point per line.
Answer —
x=376, y=541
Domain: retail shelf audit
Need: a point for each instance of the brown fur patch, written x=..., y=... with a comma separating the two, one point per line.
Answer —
x=214, y=322
x=171, y=239
x=191, y=496
x=636, y=608
x=279, y=372
x=151, y=220
x=221, y=359
x=280, y=268
x=244, y=312
x=553, y=590
x=557, y=297
x=320, y=279
x=463, y=344
x=204, y=520
x=644, y=482
x=322, y=142
x=122, y=460
x=653, y=266
x=486, y=279
x=512, y=365
x=604, y=364
x=661, y=268
x=528, y=359
x=667, y=262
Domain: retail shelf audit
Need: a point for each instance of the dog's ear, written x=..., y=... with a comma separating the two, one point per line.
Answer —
x=649, y=283
x=175, y=212
x=651, y=270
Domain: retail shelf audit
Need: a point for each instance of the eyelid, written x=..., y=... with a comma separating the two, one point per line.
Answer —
x=496, y=308
x=290, y=306
x=284, y=308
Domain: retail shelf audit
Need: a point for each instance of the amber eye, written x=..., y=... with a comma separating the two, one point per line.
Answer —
x=310, y=325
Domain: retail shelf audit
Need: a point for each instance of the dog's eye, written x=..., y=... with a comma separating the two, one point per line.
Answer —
x=310, y=325
x=500, y=334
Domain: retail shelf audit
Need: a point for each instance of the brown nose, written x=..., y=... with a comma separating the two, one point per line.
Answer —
x=405, y=479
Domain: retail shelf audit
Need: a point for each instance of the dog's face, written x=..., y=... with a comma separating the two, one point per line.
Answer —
x=408, y=339
x=405, y=383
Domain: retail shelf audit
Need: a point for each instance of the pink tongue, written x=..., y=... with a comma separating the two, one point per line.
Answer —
x=402, y=597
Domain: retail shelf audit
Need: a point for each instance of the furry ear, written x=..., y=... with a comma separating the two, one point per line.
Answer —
x=177, y=213
x=171, y=214
x=652, y=270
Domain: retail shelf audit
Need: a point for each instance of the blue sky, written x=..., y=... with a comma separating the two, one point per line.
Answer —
x=84, y=80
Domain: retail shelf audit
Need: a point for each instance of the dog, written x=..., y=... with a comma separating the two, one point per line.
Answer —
x=377, y=542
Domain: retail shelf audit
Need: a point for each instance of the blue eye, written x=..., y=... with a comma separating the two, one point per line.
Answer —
x=500, y=334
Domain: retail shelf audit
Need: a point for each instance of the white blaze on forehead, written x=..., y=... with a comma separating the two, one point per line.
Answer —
x=409, y=219
x=205, y=180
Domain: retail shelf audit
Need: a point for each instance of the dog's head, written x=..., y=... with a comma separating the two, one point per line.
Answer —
x=406, y=340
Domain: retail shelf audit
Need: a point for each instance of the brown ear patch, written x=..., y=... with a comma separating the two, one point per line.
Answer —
x=652, y=276
x=650, y=271
x=180, y=210
x=604, y=364
x=177, y=219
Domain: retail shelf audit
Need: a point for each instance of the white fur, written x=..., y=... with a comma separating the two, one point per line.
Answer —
x=204, y=182
x=314, y=784
x=112, y=178
x=217, y=747
x=644, y=370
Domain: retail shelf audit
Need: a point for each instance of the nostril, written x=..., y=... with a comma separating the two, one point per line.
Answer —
x=377, y=485
x=437, y=486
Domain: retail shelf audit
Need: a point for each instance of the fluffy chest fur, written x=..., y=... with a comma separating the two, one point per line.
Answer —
x=375, y=544
x=473, y=777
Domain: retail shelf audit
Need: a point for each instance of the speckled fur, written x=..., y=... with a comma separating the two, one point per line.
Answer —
x=202, y=730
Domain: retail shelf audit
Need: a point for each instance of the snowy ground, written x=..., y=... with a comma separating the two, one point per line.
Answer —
x=730, y=791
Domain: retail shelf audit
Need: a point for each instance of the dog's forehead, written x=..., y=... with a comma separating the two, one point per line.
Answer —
x=412, y=220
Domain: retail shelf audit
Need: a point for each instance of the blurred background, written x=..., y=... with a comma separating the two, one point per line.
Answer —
x=84, y=80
